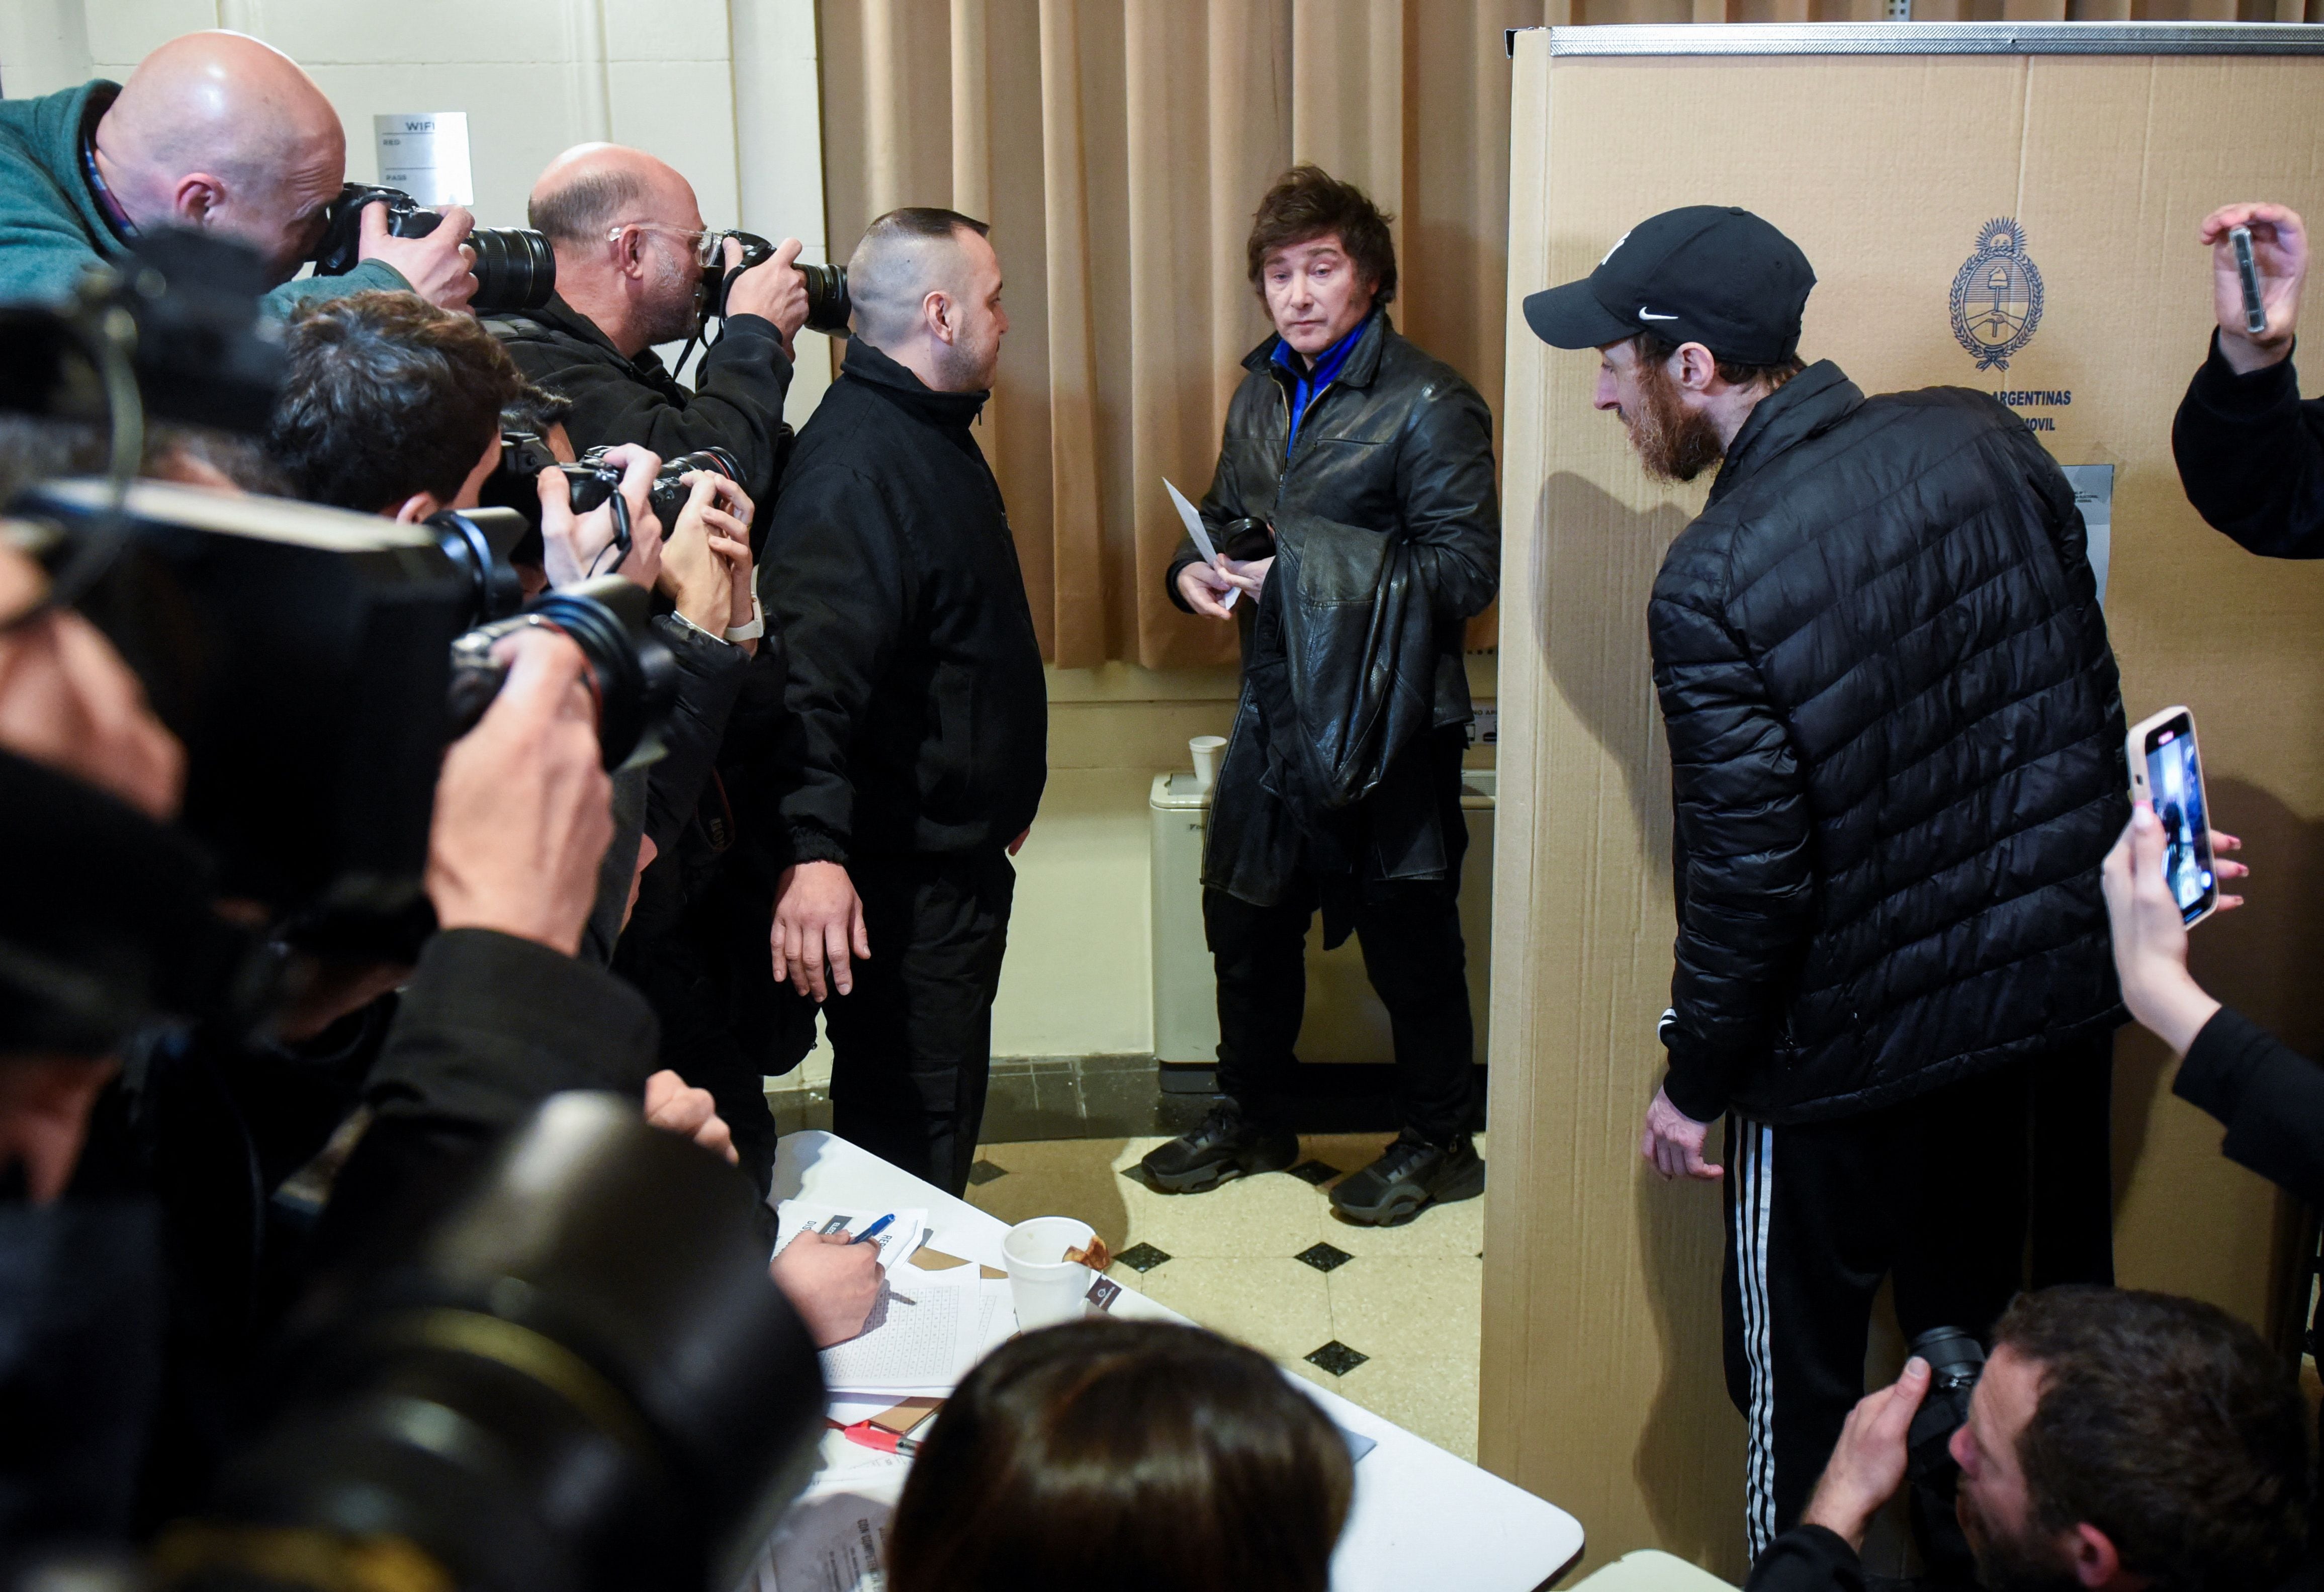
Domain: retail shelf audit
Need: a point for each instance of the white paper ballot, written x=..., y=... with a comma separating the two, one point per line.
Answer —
x=899, y=1238
x=1186, y=511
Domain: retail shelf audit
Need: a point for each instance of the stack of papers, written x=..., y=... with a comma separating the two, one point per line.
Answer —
x=925, y=1333
x=929, y=1326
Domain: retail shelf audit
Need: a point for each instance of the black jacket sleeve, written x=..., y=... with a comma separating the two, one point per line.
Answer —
x=737, y=402
x=2270, y=1096
x=835, y=584
x=489, y=1026
x=1807, y=1558
x=1745, y=885
x=2251, y=455
x=1448, y=502
x=710, y=675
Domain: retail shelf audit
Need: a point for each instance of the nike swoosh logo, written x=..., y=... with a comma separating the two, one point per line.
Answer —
x=1644, y=314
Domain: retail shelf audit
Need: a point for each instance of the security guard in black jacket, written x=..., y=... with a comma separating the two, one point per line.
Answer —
x=1354, y=504
x=630, y=252
x=1897, y=749
x=916, y=745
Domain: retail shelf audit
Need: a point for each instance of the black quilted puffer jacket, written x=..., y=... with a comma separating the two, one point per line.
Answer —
x=1896, y=742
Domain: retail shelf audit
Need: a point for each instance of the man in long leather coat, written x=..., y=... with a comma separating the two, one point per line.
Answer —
x=1354, y=507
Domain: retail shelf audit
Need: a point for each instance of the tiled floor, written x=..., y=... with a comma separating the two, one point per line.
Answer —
x=1387, y=1317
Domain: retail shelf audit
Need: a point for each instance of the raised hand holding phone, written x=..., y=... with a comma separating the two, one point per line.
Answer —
x=2278, y=263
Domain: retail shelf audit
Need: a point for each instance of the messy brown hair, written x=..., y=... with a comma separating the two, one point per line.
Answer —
x=1308, y=202
x=2170, y=1427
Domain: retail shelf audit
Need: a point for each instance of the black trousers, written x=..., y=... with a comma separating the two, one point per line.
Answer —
x=1410, y=933
x=912, y=1043
x=1949, y=1194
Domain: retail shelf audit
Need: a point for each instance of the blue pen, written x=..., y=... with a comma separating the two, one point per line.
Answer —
x=873, y=1230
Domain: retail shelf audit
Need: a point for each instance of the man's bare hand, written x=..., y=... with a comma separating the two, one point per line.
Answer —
x=440, y=267
x=68, y=700
x=674, y=1106
x=575, y=547
x=1674, y=1142
x=1205, y=590
x=774, y=291
x=831, y=1283
x=1247, y=574
x=523, y=808
x=1867, y=1464
x=700, y=554
x=2279, y=257
x=818, y=928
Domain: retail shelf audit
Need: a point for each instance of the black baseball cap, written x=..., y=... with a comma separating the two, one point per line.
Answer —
x=1713, y=274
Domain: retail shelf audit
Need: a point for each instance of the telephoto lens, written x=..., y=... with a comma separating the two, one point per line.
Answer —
x=515, y=267
x=480, y=542
x=828, y=304
x=581, y=1380
x=632, y=674
x=669, y=492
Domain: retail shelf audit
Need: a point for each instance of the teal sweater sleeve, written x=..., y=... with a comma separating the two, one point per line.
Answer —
x=51, y=229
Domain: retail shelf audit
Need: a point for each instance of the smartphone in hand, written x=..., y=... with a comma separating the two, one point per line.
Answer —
x=2166, y=770
x=2255, y=312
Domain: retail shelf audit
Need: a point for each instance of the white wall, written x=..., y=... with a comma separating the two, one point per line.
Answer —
x=725, y=90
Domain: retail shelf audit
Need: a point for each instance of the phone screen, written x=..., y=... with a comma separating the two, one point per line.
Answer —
x=2174, y=780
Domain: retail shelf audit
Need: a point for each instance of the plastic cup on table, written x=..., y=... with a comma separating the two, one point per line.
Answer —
x=1045, y=1286
x=1206, y=750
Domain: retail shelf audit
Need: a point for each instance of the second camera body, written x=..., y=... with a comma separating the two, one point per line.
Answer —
x=516, y=268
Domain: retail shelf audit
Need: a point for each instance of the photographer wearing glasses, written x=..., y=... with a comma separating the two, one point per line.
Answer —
x=215, y=132
x=631, y=253
x=2113, y=1440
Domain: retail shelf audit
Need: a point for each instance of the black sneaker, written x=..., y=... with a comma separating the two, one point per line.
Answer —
x=1227, y=1145
x=1411, y=1174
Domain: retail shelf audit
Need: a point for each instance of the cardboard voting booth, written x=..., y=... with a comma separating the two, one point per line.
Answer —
x=2002, y=206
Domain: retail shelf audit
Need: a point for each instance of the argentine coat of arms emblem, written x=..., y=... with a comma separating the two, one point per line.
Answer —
x=1997, y=296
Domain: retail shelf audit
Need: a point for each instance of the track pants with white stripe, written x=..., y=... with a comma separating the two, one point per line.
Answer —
x=1942, y=1192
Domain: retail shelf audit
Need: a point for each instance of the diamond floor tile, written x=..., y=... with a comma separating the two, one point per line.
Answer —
x=1336, y=1357
x=1324, y=1257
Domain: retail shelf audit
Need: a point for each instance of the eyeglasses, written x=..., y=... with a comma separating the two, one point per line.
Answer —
x=706, y=245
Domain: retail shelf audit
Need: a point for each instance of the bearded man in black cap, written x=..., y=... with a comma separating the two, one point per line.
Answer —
x=1897, y=749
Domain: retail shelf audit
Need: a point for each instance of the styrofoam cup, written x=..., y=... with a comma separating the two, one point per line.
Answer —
x=1045, y=1287
x=1206, y=750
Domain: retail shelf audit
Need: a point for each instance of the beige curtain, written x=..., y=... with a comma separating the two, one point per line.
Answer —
x=1119, y=147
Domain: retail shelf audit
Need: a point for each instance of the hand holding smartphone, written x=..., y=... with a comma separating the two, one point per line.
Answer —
x=2166, y=771
x=2255, y=312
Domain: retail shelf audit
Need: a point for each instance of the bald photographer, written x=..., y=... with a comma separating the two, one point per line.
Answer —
x=213, y=131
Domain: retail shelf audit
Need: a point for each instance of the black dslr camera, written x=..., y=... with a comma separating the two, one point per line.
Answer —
x=304, y=656
x=669, y=492
x=1956, y=1360
x=828, y=304
x=516, y=268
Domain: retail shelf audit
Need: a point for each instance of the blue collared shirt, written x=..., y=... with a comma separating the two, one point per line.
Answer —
x=1311, y=382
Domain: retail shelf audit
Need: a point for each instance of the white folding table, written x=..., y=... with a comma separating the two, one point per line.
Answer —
x=1421, y=1516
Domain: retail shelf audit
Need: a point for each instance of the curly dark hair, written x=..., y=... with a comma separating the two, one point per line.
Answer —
x=2168, y=1425
x=1129, y=1454
x=385, y=396
x=1308, y=202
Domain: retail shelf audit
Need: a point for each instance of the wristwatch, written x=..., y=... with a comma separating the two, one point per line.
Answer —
x=756, y=626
